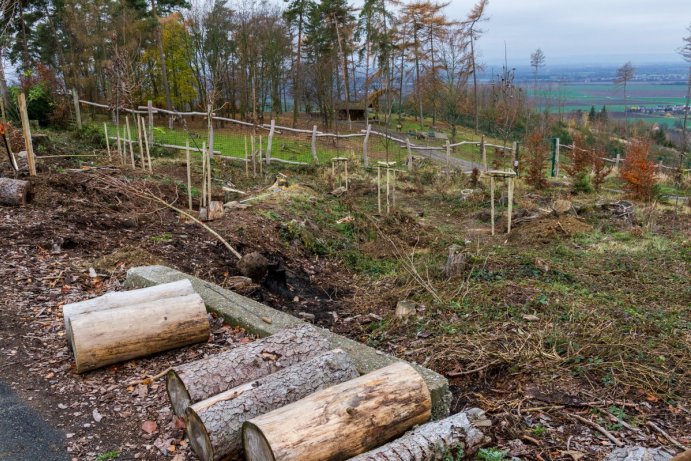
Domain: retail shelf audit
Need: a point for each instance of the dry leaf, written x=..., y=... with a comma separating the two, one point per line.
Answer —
x=149, y=427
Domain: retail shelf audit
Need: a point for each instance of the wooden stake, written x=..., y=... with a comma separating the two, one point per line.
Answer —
x=77, y=111
x=150, y=110
x=254, y=158
x=387, y=190
x=365, y=159
x=448, y=156
x=26, y=130
x=491, y=195
x=315, y=158
x=410, y=154
x=120, y=153
x=129, y=139
x=261, y=168
x=139, y=141
x=393, y=191
x=210, y=124
x=105, y=129
x=269, y=141
x=346, y=174
x=510, y=204
x=146, y=146
x=189, y=173
x=203, y=201
x=208, y=178
x=247, y=166
x=379, y=189
x=483, y=150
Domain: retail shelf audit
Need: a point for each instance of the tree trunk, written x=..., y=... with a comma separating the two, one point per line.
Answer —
x=214, y=424
x=124, y=298
x=341, y=421
x=109, y=336
x=433, y=441
x=199, y=380
x=162, y=57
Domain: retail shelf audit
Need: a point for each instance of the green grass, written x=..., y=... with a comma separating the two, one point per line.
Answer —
x=108, y=455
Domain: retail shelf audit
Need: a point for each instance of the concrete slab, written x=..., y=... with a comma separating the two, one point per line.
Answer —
x=241, y=311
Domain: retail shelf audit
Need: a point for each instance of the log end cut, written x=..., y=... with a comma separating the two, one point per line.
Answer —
x=199, y=436
x=177, y=393
x=253, y=441
x=14, y=192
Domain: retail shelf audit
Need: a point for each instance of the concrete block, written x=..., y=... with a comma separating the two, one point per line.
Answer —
x=238, y=310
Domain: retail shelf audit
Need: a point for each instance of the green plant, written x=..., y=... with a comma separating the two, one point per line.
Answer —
x=113, y=454
x=162, y=238
x=539, y=430
x=582, y=183
x=491, y=454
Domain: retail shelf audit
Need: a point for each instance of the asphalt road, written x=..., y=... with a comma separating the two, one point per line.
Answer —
x=24, y=435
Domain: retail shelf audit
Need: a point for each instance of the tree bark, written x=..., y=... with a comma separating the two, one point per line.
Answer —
x=14, y=192
x=199, y=380
x=433, y=441
x=109, y=336
x=124, y=298
x=341, y=421
x=214, y=425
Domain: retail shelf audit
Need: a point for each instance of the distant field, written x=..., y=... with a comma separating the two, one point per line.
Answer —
x=570, y=97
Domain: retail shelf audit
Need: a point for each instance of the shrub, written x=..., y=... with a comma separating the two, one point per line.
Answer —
x=638, y=172
x=536, y=159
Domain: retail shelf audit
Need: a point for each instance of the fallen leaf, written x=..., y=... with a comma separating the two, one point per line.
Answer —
x=149, y=427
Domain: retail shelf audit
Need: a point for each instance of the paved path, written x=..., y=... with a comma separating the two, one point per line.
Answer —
x=24, y=435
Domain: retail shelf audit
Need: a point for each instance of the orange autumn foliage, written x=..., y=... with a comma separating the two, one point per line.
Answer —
x=637, y=171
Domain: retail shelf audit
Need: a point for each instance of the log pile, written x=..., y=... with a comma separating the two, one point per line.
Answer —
x=199, y=380
x=341, y=421
x=214, y=425
x=127, y=325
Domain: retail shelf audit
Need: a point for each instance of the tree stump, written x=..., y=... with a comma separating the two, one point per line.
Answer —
x=109, y=336
x=214, y=425
x=455, y=262
x=342, y=421
x=14, y=192
x=437, y=440
x=199, y=380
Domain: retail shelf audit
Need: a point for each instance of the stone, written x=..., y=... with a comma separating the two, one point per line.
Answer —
x=561, y=206
x=254, y=265
x=240, y=311
x=337, y=192
x=405, y=308
x=639, y=454
x=235, y=205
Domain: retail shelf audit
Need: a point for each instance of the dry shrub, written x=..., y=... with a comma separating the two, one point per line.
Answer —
x=637, y=171
x=536, y=159
x=600, y=169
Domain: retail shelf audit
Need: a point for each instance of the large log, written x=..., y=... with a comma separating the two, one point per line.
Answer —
x=435, y=441
x=342, y=421
x=124, y=298
x=199, y=380
x=109, y=336
x=214, y=425
x=14, y=192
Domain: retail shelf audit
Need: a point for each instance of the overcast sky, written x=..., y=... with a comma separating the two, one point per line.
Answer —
x=582, y=31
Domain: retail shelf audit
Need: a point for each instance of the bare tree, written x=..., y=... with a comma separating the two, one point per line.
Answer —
x=537, y=60
x=623, y=76
x=476, y=15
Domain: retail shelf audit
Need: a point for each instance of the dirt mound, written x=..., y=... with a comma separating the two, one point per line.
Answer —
x=544, y=230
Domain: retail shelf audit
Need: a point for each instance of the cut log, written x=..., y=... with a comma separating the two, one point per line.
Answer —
x=214, y=425
x=199, y=380
x=124, y=298
x=14, y=192
x=341, y=421
x=433, y=441
x=109, y=336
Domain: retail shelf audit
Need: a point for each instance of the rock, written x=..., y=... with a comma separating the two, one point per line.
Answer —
x=236, y=205
x=455, y=261
x=254, y=265
x=337, y=192
x=639, y=454
x=405, y=308
x=561, y=206
x=542, y=265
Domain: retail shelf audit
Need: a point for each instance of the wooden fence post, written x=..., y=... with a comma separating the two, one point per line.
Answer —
x=448, y=155
x=77, y=112
x=189, y=173
x=314, y=144
x=150, y=110
x=129, y=139
x=483, y=150
x=105, y=129
x=410, y=154
x=365, y=159
x=210, y=124
x=26, y=130
x=616, y=163
x=556, y=159
x=269, y=141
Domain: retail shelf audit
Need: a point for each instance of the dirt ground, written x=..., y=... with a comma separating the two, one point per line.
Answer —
x=76, y=222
